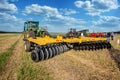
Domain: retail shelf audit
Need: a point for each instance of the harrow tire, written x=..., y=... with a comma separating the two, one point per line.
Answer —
x=46, y=54
x=32, y=34
x=53, y=51
x=50, y=52
x=37, y=55
x=57, y=51
x=66, y=48
x=41, y=54
x=61, y=49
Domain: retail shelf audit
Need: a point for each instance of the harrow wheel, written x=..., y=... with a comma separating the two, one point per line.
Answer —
x=50, y=52
x=61, y=49
x=56, y=50
x=37, y=55
x=65, y=47
x=46, y=54
x=53, y=51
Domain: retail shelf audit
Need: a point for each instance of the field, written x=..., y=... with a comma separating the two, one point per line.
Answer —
x=16, y=64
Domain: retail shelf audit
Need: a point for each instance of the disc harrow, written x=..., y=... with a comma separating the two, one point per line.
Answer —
x=58, y=46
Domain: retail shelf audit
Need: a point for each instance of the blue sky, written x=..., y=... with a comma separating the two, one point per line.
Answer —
x=60, y=15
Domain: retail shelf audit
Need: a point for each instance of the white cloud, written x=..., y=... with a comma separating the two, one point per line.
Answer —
x=109, y=23
x=40, y=10
x=48, y=12
x=97, y=7
x=67, y=11
x=52, y=16
x=7, y=17
x=81, y=4
x=7, y=7
x=112, y=21
x=9, y=22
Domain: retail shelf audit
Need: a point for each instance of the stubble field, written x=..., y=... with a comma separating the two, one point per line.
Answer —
x=16, y=64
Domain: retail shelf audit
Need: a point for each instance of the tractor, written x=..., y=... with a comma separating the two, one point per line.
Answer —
x=43, y=46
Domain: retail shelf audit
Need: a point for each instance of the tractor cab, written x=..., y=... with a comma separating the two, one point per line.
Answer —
x=31, y=25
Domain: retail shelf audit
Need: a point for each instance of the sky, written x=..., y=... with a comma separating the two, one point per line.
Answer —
x=61, y=15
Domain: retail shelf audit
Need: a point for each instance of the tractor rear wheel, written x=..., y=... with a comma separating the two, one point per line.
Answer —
x=32, y=34
x=27, y=46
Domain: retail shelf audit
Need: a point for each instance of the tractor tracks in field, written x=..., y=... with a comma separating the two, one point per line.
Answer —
x=115, y=55
x=5, y=44
x=10, y=70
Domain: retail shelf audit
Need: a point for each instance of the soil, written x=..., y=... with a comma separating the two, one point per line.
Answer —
x=10, y=72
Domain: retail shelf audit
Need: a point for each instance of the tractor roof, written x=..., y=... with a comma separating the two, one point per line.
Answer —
x=33, y=21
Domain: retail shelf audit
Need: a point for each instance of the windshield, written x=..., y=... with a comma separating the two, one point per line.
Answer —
x=34, y=24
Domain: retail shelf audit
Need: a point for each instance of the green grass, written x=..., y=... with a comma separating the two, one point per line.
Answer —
x=5, y=56
x=29, y=70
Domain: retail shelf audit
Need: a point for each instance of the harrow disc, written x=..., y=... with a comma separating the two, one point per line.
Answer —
x=46, y=54
x=57, y=48
x=50, y=52
x=53, y=51
x=65, y=47
x=37, y=55
x=61, y=49
x=104, y=45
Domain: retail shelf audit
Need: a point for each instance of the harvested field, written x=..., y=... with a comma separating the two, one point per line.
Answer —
x=72, y=65
x=6, y=40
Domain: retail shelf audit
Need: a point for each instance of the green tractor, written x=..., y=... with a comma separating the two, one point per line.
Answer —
x=31, y=29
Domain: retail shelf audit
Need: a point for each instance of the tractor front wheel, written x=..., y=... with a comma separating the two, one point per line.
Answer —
x=27, y=46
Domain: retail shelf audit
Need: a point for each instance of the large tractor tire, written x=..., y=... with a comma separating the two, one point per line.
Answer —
x=27, y=46
x=32, y=34
x=25, y=35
